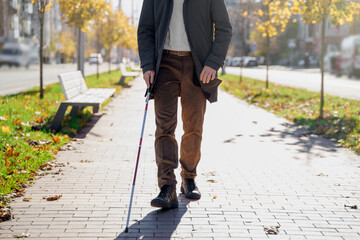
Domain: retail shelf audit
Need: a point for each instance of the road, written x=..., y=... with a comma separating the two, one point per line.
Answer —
x=15, y=80
x=307, y=79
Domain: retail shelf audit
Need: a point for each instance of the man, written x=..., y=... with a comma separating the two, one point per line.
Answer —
x=180, y=55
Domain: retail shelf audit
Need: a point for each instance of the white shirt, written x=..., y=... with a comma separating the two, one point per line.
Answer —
x=176, y=38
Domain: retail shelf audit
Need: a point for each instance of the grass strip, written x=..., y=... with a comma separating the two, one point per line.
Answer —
x=25, y=139
x=341, y=121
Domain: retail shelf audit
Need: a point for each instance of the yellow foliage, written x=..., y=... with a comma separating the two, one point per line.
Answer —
x=114, y=30
x=273, y=17
x=79, y=13
x=317, y=11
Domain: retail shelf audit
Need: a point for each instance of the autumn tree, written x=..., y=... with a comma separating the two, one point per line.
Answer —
x=42, y=6
x=319, y=12
x=271, y=19
x=111, y=30
x=68, y=45
x=79, y=13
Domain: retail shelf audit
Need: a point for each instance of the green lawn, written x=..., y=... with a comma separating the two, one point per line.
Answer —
x=341, y=121
x=25, y=139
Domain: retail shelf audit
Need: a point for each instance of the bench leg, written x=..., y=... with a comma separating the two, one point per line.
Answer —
x=95, y=109
x=76, y=110
x=122, y=80
x=58, y=117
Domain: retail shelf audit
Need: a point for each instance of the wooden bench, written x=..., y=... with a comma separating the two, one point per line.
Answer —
x=79, y=96
x=125, y=73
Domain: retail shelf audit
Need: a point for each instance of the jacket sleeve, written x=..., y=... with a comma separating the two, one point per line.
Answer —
x=146, y=36
x=223, y=33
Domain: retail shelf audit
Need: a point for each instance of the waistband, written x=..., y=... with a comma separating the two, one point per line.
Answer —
x=177, y=53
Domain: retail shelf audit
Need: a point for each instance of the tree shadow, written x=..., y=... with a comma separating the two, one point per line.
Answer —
x=157, y=224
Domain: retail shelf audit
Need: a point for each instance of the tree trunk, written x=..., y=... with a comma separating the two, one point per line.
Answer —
x=322, y=68
x=267, y=60
x=109, y=53
x=42, y=15
x=241, y=70
x=97, y=52
x=79, y=50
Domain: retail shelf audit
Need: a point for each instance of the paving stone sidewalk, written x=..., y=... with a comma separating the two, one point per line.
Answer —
x=257, y=170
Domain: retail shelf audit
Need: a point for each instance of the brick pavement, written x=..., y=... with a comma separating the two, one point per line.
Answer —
x=257, y=170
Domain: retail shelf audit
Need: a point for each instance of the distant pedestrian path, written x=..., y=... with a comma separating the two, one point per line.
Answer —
x=309, y=79
x=257, y=171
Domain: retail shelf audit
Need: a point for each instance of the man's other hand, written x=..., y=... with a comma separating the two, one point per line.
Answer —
x=207, y=74
x=149, y=77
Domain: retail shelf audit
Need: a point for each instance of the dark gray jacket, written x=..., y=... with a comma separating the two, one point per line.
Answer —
x=200, y=16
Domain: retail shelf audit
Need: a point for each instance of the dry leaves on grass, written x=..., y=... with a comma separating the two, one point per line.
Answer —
x=5, y=129
x=5, y=214
x=52, y=197
x=18, y=193
x=272, y=229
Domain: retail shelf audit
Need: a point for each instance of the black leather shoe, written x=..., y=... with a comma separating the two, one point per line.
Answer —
x=167, y=198
x=189, y=188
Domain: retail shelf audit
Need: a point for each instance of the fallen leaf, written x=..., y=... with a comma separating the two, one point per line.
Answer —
x=351, y=206
x=17, y=122
x=38, y=142
x=56, y=139
x=254, y=122
x=27, y=199
x=46, y=166
x=5, y=214
x=52, y=198
x=272, y=229
x=21, y=235
x=38, y=120
x=214, y=197
x=5, y=129
x=211, y=180
x=7, y=162
x=54, y=150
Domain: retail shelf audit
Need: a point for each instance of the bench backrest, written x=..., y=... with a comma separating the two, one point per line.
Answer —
x=72, y=84
x=122, y=68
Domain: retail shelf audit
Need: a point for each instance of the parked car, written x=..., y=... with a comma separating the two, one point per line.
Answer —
x=330, y=58
x=313, y=62
x=236, y=62
x=350, y=56
x=18, y=54
x=250, y=62
x=95, y=58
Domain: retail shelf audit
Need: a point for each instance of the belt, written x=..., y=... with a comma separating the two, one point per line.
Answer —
x=177, y=53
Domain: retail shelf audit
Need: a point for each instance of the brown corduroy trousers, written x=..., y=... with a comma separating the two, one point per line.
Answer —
x=175, y=78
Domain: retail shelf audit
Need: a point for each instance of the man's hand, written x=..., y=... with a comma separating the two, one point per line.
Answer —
x=149, y=77
x=207, y=74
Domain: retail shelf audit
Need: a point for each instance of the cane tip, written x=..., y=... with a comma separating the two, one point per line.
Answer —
x=126, y=230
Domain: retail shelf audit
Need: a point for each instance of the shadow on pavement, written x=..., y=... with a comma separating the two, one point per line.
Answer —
x=158, y=224
x=305, y=139
x=88, y=126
